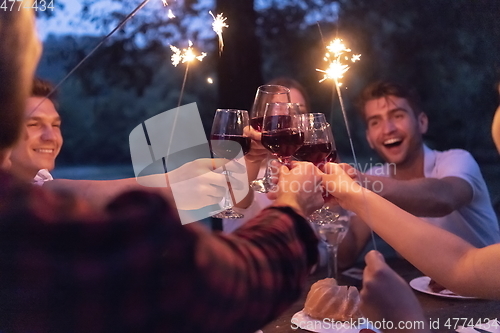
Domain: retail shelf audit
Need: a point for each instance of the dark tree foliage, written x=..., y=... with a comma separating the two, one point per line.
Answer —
x=239, y=66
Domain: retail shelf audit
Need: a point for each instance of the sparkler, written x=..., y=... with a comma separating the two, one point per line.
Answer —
x=338, y=52
x=170, y=14
x=335, y=55
x=218, y=24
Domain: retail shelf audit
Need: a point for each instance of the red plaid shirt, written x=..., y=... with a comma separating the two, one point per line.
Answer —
x=135, y=268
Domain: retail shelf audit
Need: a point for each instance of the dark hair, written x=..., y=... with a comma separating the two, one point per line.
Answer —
x=41, y=88
x=385, y=89
x=292, y=84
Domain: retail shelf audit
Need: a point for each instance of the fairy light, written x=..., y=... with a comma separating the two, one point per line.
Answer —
x=210, y=80
x=218, y=24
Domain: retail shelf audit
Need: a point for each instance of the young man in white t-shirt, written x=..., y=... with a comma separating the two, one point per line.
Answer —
x=446, y=188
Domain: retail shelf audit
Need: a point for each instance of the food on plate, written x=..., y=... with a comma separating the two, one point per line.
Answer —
x=326, y=299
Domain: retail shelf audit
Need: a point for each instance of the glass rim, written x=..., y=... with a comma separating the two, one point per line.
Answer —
x=231, y=110
x=285, y=103
x=286, y=90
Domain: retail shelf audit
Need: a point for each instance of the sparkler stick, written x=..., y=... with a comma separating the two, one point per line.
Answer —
x=121, y=24
x=218, y=24
x=184, y=56
x=337, y=52
x=181, y=56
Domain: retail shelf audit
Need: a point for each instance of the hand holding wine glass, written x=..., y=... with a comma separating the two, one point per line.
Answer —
x=282, y=132
x=265, y=94
x=229, y=139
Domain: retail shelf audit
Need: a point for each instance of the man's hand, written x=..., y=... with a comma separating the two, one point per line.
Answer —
x=298, y=187
x=200, y=183
x=340, y=184
x=386, y=296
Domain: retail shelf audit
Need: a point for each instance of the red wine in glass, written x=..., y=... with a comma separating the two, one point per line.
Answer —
x=229, y=146
x=315, y=153
x=256, y=123
x=282, y=143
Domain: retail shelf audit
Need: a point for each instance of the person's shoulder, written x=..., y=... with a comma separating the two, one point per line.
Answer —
x=456, y=154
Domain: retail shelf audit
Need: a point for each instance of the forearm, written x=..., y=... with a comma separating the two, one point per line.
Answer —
x=427, y=197
x=100, y=192
x=436, y=252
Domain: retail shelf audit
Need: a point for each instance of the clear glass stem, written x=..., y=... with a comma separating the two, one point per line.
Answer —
x=228, y=200
x=332, y=261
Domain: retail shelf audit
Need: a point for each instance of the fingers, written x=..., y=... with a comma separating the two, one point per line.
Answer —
x=374, y=258
x=221, y=164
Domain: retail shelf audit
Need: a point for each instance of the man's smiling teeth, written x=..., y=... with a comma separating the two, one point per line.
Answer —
x=46, y=151
x=392, y=141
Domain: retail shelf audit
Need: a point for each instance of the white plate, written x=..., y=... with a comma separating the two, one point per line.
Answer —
x=422, y=284
x=303, y=321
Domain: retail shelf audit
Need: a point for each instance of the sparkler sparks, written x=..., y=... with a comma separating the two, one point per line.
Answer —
x=185, y=55
x=165, y=3
x=170, y=14
x=337, y=69
x=218, y=24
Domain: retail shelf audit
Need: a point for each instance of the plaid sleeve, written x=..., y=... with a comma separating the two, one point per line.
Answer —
x=248, y=278
x=136, y=268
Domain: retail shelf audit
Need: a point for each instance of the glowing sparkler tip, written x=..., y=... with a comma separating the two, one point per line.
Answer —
x=336, y=53
x=218, y=24
x=210, y=80
x=185, y=55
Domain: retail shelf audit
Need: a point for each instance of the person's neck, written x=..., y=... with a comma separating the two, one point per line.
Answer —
x=412, y=168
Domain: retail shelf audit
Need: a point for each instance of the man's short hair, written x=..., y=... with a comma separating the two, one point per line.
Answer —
x=42, y=88
x=385, y=89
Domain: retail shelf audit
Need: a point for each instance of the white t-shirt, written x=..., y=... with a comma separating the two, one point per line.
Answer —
x=475, y=222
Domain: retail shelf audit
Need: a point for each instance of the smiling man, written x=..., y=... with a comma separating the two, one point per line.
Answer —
x=444, y=187
x=41, y=140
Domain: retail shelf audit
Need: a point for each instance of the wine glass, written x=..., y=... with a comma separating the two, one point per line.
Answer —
x=331, y=220
x=282, y=131
x=265, y=94
x=318, y=146
x=229, y=140
x=332, y=223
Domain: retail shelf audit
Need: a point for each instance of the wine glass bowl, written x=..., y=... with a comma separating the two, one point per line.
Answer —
x=318, y=146
x=282, y=132
x=229, y=140
x=268, y=93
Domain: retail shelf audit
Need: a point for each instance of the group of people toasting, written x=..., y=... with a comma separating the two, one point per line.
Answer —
x=127, y=264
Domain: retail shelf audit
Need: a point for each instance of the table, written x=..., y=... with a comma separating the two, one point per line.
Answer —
x=438, y=309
